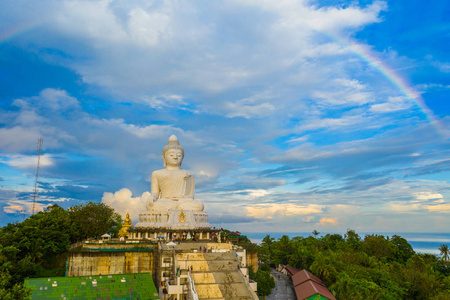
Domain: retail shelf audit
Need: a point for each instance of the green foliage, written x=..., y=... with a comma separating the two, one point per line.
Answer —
x=36, y=247
x=251, y=272
x=95, y=219
x=403, y=250
x=281, y=250
x=265, y=267
x=265, y=249
x=444, y=252
x=265, y=282
x=10, y=291
x=379, y=246
x=377, y=267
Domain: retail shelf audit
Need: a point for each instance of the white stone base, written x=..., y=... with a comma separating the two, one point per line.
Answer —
x=173, y=219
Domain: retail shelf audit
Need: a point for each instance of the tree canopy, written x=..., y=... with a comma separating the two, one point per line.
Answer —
x=32, y=248
x=376, y=267
x=95, y=219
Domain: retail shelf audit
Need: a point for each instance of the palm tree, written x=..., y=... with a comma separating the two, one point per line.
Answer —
x=444, y=251
x=316, y=233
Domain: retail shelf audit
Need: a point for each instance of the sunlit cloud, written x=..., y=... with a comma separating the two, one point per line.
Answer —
x=283, y=122
x=22, y=207
x=327, y=221
x=28, y=162
x=428, y=196
x=283, y=209
x=123, y=202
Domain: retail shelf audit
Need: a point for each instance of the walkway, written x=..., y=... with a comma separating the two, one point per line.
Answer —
x=283, y=289
x=216, y=275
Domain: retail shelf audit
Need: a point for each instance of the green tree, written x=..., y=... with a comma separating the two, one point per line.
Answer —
x=265, y=267
x=352, y=238
x=379, y=246
x=316, y=233
x=265, y=249
x=282, y=248
x=444, y=251
x=348, y=288
x=265, y=283
x=95, y=219
x=11, y=291
x=323, y=266
x=251, y=272
x=403, y=250
x=10, y=288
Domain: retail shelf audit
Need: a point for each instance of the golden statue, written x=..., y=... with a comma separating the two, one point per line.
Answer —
x=123, y=232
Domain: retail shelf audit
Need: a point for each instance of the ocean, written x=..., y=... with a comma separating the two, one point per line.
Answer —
x=421, y=242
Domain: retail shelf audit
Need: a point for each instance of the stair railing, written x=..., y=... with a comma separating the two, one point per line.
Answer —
x=191, y=287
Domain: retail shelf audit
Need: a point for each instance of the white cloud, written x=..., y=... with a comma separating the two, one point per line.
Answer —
x=271, y=210
x=344, y=92
x=327, y=221
x=162, y=101
x=22, y=207
x=348, y=121
x=28, y=162
x=56, y=99
x=18, y=138
x=239, y=109
x=143, y=50
x=148, y=28
x=439, y=208
x=393, y=104
x=428, y=196
x=123, y=202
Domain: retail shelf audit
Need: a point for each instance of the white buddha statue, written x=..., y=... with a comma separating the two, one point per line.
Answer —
x=173, y=187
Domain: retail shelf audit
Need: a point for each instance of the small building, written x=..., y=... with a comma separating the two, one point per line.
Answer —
x=236, y=237
x=106, y=237
x=309, y=286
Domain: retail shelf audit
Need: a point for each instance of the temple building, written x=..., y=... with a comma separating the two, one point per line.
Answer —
x=172, y=241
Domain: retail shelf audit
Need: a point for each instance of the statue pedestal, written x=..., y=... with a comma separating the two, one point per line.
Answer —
x=174, y=219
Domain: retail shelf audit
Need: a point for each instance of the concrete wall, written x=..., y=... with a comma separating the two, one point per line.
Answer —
x=252, y=259
x=96, y=263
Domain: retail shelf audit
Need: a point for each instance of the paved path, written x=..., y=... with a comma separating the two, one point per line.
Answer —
x=283, y=289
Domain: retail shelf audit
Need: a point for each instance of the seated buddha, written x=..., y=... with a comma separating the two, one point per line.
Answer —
x=173, y=187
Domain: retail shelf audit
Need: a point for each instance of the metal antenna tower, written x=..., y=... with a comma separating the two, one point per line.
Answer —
x=36, y=181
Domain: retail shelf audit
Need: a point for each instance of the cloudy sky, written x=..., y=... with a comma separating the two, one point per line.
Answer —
x=294, y=115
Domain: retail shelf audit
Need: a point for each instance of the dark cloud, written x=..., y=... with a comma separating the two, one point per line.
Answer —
x=439, y=167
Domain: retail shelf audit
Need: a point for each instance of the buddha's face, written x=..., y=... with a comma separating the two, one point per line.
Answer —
x=173, y=157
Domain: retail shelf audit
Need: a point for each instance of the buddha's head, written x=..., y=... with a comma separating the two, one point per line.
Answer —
x=173, y=153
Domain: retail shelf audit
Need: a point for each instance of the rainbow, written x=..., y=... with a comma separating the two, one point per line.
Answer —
x=12, y=32
x=367, y=55
x=362, y=51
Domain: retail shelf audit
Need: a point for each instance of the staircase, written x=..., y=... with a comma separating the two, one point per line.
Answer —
x=216, y=275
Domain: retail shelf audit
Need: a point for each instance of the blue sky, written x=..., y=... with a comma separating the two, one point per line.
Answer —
x=294, y=115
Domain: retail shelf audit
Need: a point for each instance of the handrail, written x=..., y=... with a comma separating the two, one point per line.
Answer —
x=192, y=291
x=244, y=279
x=76, y=244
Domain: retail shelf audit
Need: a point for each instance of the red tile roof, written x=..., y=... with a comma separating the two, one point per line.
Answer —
x=291, y=270
x=303, y=276
x=311, y=288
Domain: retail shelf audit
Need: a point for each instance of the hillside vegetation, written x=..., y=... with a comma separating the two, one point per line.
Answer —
x=36, y=247
x=376, y=267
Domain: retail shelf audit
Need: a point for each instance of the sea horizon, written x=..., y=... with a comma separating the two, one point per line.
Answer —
x=422, y=242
